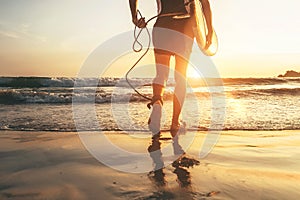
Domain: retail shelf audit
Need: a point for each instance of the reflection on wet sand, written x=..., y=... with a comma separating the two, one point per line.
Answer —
x=181, y=164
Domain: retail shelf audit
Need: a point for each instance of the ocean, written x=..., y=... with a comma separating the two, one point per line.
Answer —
x=45, y=104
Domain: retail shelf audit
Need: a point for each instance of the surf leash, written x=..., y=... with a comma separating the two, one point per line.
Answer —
x=137, y=50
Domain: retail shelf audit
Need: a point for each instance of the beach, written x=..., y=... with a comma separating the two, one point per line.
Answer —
x=242, y=165
x=58, y=141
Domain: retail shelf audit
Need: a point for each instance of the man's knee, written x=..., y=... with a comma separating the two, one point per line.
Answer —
x=160, y=80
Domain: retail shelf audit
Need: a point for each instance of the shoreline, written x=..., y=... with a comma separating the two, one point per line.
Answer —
x=147, y=132
x=243, y=164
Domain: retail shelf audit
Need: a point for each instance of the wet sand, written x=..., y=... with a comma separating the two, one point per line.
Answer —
x=243, y=165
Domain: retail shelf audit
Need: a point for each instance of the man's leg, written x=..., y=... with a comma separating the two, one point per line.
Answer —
x=179, y=92
x=162, y=74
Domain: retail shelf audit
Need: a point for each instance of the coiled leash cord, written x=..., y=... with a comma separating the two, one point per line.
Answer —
x=136, y=42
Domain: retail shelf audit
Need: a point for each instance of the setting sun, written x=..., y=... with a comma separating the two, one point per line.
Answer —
x=192, y=73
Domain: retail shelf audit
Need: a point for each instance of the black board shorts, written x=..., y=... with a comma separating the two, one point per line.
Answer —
x=173, y=36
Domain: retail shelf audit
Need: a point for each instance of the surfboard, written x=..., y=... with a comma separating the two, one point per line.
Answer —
x=200, y=30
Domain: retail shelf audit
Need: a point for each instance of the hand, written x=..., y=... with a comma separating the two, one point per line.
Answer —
x=208, y=39
x=140, y=22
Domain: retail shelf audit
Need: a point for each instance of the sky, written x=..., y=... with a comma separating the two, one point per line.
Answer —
x=257, y=38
